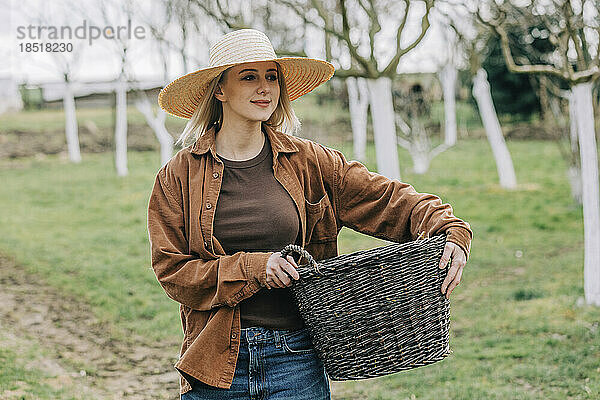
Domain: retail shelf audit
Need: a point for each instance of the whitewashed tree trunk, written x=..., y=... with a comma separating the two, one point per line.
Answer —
x=574, y=175
x=448, y=76
x=419, y=145
x=384, y=127
x=157, y=123
x=574, y=172
x=584, y=113
x=121, y=128
x=71, y=131
x=483, y=96
x=358, y=104
x=420, y=148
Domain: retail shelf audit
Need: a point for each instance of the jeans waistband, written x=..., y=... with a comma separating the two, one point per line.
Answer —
x=259, y=334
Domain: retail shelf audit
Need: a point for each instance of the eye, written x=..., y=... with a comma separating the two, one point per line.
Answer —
x=273, y=77
x=248, y=76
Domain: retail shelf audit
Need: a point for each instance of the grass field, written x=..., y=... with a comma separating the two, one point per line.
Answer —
x=518, y=329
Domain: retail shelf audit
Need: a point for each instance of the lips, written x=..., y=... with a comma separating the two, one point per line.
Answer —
x=261, y=103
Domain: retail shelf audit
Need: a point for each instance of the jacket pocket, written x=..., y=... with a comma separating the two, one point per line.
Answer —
x=320, y=221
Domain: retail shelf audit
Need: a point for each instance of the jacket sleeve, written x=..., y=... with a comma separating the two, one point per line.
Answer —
x=198, y=283
x=387, y=208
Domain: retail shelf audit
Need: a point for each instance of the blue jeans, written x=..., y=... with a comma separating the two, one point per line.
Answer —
x=271, y=365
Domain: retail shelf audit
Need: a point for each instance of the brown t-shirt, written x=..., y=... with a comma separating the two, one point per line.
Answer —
x=255, y=213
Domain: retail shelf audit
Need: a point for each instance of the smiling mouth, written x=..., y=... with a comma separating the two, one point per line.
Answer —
x=261, y=103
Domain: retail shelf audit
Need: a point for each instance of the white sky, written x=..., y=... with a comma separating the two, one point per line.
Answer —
x=100, y=61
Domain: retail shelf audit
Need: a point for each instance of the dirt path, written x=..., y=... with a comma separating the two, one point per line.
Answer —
x=74, y=339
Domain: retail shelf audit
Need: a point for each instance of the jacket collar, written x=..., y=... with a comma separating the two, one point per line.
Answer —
x=280, y=142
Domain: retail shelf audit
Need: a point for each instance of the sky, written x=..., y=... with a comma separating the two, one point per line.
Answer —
x=98, y=59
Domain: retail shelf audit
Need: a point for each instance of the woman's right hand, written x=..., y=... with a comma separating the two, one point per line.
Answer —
x=279, y=271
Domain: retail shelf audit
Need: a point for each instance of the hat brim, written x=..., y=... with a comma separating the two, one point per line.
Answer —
x=182, y=96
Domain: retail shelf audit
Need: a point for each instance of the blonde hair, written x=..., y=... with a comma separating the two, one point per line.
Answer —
x=210, y=112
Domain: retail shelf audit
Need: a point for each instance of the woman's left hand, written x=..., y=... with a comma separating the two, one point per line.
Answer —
x=459, y=259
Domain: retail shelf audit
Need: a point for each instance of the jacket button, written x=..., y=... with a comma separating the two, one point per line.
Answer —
x=208, y=205
x=206, y=244
x=216, y=175
x=233, y=335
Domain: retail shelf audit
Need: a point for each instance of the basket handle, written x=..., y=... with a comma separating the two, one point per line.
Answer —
x=294, y=248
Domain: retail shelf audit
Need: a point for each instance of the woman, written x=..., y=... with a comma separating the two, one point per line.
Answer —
x=222, y=207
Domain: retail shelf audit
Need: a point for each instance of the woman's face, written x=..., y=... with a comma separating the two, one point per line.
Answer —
x=250, y=91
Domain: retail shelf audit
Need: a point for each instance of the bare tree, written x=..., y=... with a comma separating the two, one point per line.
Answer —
x=358, y=105
x=491, y=124
x=448, y=76
x=65, y=63
x=473, y=40
x=158, y=19
x=560, y=119
x=415, y=135
x=112, y=11
x=356, y=29
x=574, y=29
x=186, y=17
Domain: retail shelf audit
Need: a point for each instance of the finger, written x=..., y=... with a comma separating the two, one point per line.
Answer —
x=270, y=283
x=454, y=283
x=450, y=277
x=283, y=277
x=292, y=261
x=276, y=282
x=446, y=255
x=290, y=269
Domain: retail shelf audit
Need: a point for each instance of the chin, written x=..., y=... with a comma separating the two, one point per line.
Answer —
x=261, y=116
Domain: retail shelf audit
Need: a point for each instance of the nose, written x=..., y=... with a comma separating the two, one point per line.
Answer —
x=263, y=86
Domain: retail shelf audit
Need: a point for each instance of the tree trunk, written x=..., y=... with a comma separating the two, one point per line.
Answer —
x=483, y=96
x=448, y=76
x=157, y=123
x=574, y=172
x=71, y=131
x=121, y=128
x=420, y=148
x=544, y=101
x=584, y=113
x=384, y=127
x=358, y=104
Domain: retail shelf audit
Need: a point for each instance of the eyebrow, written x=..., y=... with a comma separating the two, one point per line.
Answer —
x=255, y=70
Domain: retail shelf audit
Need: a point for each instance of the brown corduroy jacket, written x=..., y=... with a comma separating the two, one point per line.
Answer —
x=329, y=193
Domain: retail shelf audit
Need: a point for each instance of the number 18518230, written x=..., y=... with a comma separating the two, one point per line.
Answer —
x=39, y=47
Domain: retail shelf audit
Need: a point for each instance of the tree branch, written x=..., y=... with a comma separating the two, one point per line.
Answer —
x=390, y=69
x=568, y=14
x=370, y=68
x=221, y=16
x=374, y=28
x=438, y=150
x=513, y=67
x=328, y=26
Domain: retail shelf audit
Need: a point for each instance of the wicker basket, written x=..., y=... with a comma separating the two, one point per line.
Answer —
x=375, y=312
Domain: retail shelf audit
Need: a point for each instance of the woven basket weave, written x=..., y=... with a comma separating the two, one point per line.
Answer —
x=375, y=312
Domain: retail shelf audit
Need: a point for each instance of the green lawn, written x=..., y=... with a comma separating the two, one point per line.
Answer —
x=517, y=331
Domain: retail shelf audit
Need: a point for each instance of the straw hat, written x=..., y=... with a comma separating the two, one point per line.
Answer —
x=182, y=96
